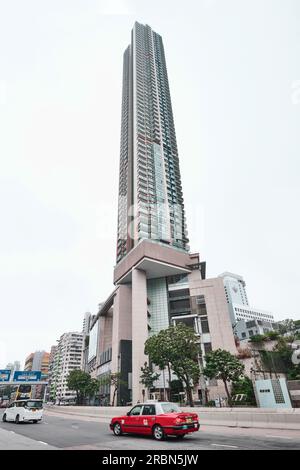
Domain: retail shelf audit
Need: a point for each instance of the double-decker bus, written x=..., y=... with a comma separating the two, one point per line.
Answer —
x=23, y=392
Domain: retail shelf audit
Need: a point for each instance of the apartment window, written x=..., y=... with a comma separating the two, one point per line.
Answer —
x=207, y=348
x=179, y=293
x=204, y=325
x=188, y=321
x=199, y=305
x=183, y=304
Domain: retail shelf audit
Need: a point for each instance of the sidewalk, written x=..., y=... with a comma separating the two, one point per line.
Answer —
x=9, y=440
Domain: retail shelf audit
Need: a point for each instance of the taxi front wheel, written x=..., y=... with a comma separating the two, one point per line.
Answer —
x=117, y=429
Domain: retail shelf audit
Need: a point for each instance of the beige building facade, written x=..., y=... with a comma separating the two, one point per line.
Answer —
x=156, y=286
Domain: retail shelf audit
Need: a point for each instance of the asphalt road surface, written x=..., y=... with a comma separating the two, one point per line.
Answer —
x=70, y=432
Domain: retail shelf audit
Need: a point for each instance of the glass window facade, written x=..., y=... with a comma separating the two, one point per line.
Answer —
x=158, y=305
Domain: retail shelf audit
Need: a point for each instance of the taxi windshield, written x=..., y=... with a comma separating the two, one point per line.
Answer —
x=170, y=408
x=34, y=404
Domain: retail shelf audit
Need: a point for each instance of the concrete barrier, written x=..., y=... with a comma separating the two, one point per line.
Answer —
x=267, y=418
x=251, y=417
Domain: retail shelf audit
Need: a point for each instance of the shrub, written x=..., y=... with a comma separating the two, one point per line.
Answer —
x=257, y=339
x=211, y=403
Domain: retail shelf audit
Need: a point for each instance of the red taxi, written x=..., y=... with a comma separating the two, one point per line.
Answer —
x=157, y=419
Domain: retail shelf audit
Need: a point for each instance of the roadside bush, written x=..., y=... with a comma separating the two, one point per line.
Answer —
x=211, y=403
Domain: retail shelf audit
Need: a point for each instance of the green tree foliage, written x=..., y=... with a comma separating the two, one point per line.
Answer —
x=148, y=377
x=176, y=387
x=82, y=384
x=272, y=335
x=286, y=326
x=178, y=349
x=244, y=386
x=258, y=338
x=6, y=391
x=114, y=381
x=222, y=365
x=92, y=387
x=284, y=350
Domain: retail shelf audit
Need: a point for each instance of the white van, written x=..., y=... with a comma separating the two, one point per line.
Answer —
x=24, y=410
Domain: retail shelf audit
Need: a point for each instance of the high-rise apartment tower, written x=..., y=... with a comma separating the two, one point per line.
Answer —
x=150, y=191
x=158, y=283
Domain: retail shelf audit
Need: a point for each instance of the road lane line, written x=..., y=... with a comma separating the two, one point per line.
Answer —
x=224, y=445
x=279, y=437
x=42, y=442
x=13, y=432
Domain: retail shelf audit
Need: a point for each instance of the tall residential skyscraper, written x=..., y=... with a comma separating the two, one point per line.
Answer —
x=158, y=283
x=150, y=192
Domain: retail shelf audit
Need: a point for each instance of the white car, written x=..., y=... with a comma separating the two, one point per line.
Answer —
x=24, y=410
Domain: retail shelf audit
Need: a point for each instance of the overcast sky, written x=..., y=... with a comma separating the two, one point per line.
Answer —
x=234, y=72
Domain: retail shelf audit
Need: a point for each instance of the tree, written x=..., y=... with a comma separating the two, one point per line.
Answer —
x=244, y=386
x=78, y=381
x=258, y=338
x=114, y=381
x=297, y=323
x=286, y=325
x=92, y=388
x=177, y=347
x=284, y=349
x=222, y=365
x=6, y=391
x=148, y=377
x=272, y=335
x=176, y=387
x=158, y=351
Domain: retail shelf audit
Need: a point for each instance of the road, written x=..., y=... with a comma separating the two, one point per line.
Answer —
x=73, y=432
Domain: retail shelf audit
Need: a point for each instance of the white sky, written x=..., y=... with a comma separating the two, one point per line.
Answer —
x=234, y=71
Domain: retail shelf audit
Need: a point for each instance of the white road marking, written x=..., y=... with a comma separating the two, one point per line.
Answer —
x=224, y=445
x=279, y=437
x=13, y=432
x=42, y=442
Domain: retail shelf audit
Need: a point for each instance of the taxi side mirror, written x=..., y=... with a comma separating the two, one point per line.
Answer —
x=128, y=413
